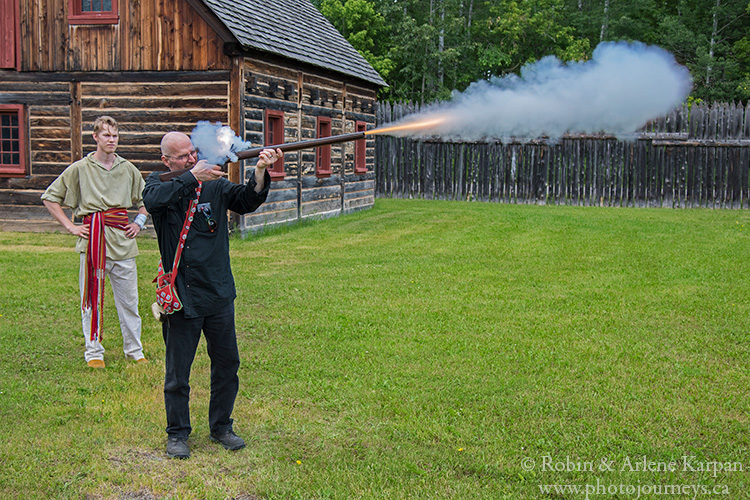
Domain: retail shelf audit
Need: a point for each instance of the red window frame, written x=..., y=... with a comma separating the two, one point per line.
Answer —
x=12, y=148
x=76, y=15
x=273, y=126
x=323, y=153
x=10, y=35
x=360, y=150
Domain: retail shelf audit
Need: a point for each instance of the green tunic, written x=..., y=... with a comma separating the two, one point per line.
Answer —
x=87, y=187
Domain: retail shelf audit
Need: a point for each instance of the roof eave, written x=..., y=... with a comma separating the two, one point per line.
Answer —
x=213, y=21
x=237, y=49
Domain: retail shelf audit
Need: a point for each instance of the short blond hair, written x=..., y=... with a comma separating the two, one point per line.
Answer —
x=100, y=122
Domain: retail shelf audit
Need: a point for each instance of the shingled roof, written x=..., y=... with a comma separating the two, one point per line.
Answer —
x=293, y=29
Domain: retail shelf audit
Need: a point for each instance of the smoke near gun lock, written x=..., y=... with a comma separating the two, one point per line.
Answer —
x=216, y=143
x=619, y=90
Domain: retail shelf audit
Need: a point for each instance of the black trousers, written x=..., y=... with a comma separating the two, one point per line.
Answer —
x=181, y=338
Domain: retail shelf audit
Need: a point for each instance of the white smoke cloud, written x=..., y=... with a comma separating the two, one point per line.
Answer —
x=622, y=87
x=216, y=143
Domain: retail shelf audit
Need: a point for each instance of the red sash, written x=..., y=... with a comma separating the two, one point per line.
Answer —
x=96, y=260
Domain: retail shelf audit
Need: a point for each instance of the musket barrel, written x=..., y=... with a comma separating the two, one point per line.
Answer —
x=296, y=146
x=287, y=146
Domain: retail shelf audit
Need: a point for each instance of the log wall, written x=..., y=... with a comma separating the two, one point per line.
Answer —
x=303, y=95
x=61, y=114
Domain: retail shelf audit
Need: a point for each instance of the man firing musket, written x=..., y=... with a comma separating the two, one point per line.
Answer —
x=195, y=286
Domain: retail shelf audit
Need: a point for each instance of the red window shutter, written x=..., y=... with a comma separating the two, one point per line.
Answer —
x=360, y=151
x=323, y=154
x=12, y=140
x=8, y=34
x=274, y=134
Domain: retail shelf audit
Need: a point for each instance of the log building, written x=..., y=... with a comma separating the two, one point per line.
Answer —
x=274, y=70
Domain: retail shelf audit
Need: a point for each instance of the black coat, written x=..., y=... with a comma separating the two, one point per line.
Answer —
x=204, y=278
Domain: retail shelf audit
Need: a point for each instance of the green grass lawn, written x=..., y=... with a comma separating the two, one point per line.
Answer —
x=420, y=349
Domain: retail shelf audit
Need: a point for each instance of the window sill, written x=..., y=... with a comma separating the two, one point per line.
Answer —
x=106, y=18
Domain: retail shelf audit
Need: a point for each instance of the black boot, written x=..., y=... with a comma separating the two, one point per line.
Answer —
x=229, y=440
x=177, y=447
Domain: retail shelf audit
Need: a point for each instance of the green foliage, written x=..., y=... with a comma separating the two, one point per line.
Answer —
x=420, y=349
x=363, y=27
x=426, y=49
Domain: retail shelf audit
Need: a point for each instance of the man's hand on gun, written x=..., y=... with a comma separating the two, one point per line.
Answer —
x=268, y=157
x=204, y=171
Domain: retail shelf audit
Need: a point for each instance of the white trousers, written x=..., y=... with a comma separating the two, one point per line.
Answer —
x=123, y=276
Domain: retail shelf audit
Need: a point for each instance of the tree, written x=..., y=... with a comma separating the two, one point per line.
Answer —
x=363, y=27
x=425, y=49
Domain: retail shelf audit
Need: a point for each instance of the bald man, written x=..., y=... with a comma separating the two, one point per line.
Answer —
x=204, y=282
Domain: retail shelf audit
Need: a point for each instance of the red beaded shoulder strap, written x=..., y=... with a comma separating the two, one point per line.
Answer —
x=185, y=228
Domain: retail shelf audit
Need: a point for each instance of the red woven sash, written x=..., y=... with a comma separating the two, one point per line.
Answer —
x=96, y=260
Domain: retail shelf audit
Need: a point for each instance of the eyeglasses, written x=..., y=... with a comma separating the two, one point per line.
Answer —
x=184, y=157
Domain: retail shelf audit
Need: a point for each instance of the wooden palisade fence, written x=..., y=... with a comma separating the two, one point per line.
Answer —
x=694, y=157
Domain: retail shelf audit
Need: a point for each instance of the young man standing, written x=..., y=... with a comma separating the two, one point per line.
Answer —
x=100, y=188
x=204, y=282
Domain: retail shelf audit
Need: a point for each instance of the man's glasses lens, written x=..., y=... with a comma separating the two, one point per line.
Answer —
x=185, y=156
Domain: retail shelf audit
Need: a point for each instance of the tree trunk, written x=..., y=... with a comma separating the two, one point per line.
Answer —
x=712, y=43
x=441, y=45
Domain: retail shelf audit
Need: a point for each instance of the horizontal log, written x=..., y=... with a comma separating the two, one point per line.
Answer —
x=128, y=139
x=321, y=209
x=369, y=188
x=47, y=168
x=350, y=195
x=36, y=121
x=116, y=76
x=189, y=116
x=363, y=117
x=310, y=181
x=254, y=114
x=29, y=212
x=323, y=193
x=49, y=111
x=275, y=185
x=259, y=219
x=276, y=206
x=34, y=98
x=322, y=111
x=32, y=182
x=253, y=66
x=262, y=103
x=254, y=138
x=31, y=226
x=50, y=132
x=355, y=204
x=50, y=144
x=370, y=175
x=275, y=195
x=150, y=102
x=160, y=89
x=21, y=197
x=33, y=86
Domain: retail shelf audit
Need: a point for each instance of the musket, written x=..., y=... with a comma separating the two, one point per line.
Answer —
x=287, y=146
